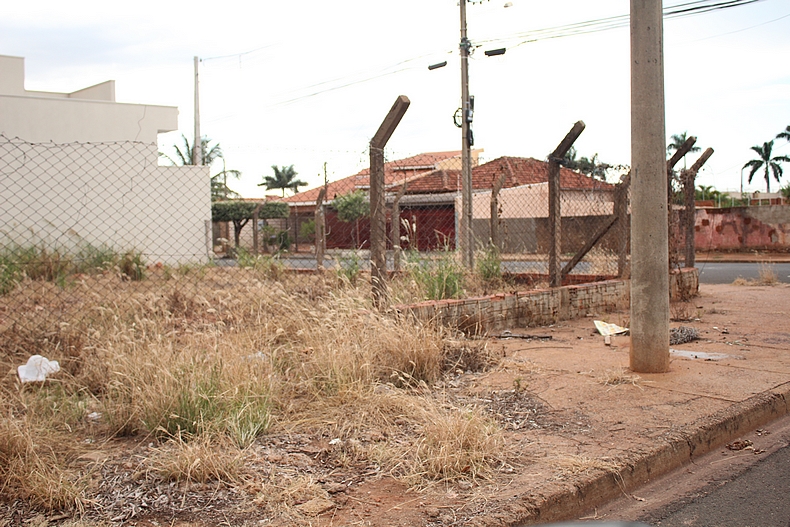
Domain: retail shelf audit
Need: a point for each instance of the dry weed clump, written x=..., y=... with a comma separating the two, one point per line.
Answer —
x=618, y=376
x=766, y=276
x=455, y=444
x=204, y=368
x=36, y=465
x=200, y=460
x=683, y=311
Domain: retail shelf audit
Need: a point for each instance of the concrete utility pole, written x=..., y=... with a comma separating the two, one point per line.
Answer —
x=467, y=238
x=649, y=224
x=197, y=144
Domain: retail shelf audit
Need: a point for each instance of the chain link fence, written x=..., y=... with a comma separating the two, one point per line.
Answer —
x=95, y=219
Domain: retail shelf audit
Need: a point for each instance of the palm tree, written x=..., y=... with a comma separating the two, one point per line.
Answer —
x=705, y=191
x=185, y=157
x=284, y=178
x=785, y=134
x=770, y=164
x=209, y=154
x=676, y=142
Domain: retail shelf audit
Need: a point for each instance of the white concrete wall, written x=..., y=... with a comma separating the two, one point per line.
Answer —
x=87, y=115
x=58, y=192
x=66, y=196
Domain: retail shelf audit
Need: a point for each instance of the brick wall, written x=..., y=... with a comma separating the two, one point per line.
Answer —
x=543, y=306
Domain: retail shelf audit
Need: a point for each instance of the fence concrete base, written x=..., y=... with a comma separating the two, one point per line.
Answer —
x=541, y=307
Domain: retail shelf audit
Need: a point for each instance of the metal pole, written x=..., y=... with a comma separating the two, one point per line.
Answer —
x=466, y=238
x=649, y=226
x=197, y=144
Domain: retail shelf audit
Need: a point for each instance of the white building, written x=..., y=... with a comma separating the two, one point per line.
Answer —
x=80, y=168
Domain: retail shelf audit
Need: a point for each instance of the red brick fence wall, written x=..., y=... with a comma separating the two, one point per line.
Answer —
x=542, y=306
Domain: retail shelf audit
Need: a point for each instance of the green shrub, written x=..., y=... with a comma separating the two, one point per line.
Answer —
x=132, y=265
x=349, y=267
x=438, y=278
x=489, y=265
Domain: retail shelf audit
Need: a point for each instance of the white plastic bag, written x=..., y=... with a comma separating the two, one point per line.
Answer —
x=37, y=369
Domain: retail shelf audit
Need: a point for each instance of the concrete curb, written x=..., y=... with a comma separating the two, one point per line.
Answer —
x=675, y=450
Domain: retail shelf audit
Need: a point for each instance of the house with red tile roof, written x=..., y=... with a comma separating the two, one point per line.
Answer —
x=431, y=198
x=408, y=171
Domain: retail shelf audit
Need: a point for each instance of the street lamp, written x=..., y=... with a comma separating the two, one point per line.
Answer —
x=466, y=238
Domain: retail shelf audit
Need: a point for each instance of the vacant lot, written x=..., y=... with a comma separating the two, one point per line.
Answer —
x=260, y=401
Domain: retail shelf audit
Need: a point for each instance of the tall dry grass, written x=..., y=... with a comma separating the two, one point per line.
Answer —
x=210, y=365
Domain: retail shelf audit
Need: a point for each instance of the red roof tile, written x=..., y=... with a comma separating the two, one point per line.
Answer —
x=528, y=171
x=394, y=173
x=518, y=171
x=437, y=172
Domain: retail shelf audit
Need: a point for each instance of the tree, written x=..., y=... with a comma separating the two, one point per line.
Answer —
x=785, y=134
x=209, y=155
x=591, y=167
x=240, y=213
x=351, y=207
x=768, y=163
x=706, y=192
x=284, y=178
x=676, y=142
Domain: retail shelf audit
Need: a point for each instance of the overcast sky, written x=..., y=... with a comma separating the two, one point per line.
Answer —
x=305, y=82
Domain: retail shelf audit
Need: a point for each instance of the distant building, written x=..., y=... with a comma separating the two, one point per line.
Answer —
x=431, y=202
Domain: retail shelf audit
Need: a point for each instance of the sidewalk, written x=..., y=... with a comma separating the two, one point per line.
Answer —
x=598, y=430
x=756, y=257
x=581, y=429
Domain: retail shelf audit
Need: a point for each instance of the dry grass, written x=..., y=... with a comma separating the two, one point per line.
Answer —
x=572, y=465
x=767, y=274
x=37, y=465
x=618, y=376
x=683, y=311
x=202, y=369
x=455, y=444
x=200, y=460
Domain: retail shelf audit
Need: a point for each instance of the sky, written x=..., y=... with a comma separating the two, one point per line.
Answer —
x=308, y=82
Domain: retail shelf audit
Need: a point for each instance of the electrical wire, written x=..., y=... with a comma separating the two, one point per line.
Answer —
x=697, y=7
x=682, y=10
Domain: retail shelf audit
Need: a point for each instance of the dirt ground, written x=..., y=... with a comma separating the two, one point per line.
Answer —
x=568, y=404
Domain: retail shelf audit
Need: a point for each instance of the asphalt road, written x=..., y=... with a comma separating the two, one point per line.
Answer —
x=723, y=488
x=710, y=272
x=758, y=497
x=726, y=272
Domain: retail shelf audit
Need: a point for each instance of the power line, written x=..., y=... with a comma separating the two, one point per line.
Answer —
x=682, y=10
x=697, y=7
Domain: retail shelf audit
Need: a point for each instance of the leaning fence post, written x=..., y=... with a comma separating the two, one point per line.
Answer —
x=378, y=211
x=555, y=212
x=689, y=178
